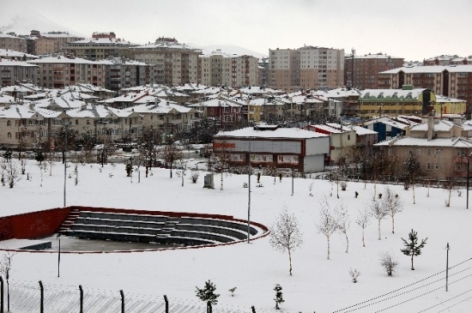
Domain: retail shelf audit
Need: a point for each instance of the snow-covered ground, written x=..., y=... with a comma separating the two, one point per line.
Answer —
x=317, y=284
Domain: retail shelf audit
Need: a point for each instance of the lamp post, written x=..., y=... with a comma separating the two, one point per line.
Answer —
x=293, y=178
x=249, y=170
x=66, y=123
x=468, y=174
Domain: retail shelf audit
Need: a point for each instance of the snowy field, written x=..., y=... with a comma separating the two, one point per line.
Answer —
x=317, y=284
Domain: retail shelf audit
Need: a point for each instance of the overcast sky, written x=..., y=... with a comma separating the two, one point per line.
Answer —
x=413, y=29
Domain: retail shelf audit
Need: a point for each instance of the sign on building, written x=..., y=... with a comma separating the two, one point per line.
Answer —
x=287, y=159
x=261, y=158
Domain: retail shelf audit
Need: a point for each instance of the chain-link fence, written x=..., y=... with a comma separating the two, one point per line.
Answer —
x=27, y=297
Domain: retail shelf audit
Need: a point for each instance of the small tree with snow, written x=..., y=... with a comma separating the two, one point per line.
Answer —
x=354, y=273
x=207, y=293
x=363, y=220
x=343, y=222
x=412, y=248
x=327, y=224
x=388, y=262
x=279, y=296
x=391, y=204
x=194, y=174
x=378, y=212
x=232, y=290
x=5, y=270
x=285, y=235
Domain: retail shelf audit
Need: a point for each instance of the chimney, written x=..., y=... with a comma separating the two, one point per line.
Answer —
x=430, y=125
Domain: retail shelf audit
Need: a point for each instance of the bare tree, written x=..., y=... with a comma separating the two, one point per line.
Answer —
x=378, y=212
x=391, y=204
x=148, y=142
x=327, y=224
x=388, y=261
x=13, y=173
x=412, y=170
x=221, y=151
x=5, y=270
x=285, y=234
x=343, y=222
x=448, y=186
x=363, y=220
x=170, y=154
x=107, y=146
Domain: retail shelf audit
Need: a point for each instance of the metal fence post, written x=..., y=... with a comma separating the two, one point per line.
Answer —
x=1, y=294
x=167, y=303
x=122, y=301
x=81, y=299
x=41, y=300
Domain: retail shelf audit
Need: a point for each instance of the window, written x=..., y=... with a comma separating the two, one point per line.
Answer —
x=348, y=137
x=438, y=151
x=76, y=122
x=9, y=124
x=458, y=167
x=9, y=135
x=428, y=166
x=389, y=151
x=88, y=122
x=429, y=152
x=436, y=166
x=418, y=152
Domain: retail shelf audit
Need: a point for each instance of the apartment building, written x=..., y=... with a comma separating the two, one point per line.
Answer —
x=60, y=71
x=15, y=72
x=362, y=71
x=16, y=55
x=219, y=68
x=176, y=64
x=53, y=42
x=307, y=67
x=101, y=46
x=122, y=73
x=448, y=60
x=12, y=42
x=453, y=81
x=284, y=69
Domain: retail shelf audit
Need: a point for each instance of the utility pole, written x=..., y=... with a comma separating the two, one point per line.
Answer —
x=447, y=267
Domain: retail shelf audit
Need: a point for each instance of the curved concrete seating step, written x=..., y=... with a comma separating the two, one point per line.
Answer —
x=116, y=236
x=185, y=230
x=217, y=222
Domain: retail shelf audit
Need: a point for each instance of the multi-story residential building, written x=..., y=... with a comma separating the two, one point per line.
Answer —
x=306, y=67
x=394, y=102
x=284, y=69
x=101, y=46
x=16, y=55
x=367, y=68
x=52, y=42
x=219, y=68
x=453, y=81
x=226, y=112
x=448, y=60
x=15, y=72
x=438, y=147
x=176, y=63
x=264, y=72
x=60, y=71
x=12, y=42
x=122, y=73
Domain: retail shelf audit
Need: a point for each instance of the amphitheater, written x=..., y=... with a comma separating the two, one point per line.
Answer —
x=159, y=229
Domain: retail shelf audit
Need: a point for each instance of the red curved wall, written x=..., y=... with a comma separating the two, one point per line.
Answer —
x=32, y=225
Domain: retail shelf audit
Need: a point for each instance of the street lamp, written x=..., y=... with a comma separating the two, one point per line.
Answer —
x=468, y=169
x=293, y=177
x=66, y=123
x=131, y=167
x=249, y=170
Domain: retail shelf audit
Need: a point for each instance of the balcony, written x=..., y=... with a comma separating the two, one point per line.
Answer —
x=460, y=159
